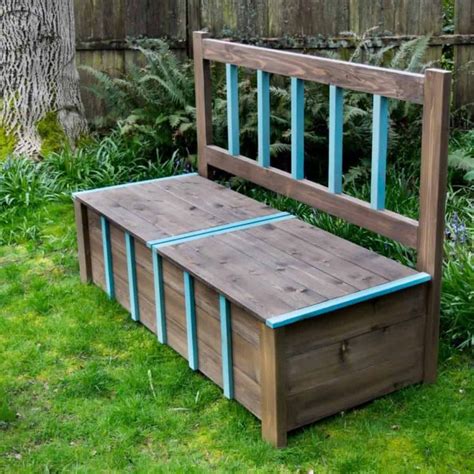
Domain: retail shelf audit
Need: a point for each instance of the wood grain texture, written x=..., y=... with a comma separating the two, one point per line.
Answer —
x=83, y=242
x=355, y=211
x=202, y=79
x=433, y=182
x=273, y=370
x=389, y=83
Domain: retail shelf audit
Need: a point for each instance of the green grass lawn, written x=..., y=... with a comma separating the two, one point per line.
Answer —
x=84, y=389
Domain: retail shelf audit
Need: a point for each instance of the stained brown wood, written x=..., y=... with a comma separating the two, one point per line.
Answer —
x=202, y=79
x=273, y=370
x=355, y=211
x=432, y=203
x=389, y=83
x=83, y=244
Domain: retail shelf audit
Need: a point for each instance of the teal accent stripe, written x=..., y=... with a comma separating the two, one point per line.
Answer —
x=159, y=298
x=348, y=300
x=232, y=77
x=108, y=264
x=226, y=344
x=297, y=128
x=336, y=124
x=263, y=93
x=379, y=152
x=126, y=185
x=191, y=330
x=132, y=276
x=217, y=229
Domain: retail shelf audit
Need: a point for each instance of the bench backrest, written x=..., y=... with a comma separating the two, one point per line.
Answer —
x=432, y=89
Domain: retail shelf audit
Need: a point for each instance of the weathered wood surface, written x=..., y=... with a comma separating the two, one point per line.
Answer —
x=353, y=210
x=83, y=242
x=277, y=268
x=159, y=209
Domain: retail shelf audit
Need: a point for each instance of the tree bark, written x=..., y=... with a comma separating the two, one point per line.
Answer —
x=37, y=70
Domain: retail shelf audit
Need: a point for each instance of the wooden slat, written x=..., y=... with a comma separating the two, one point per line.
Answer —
x=159, y=298
x=233, y=130
x=336, y=123
x=263, y=94
x=202, y=79
x=273, y=370
x=434, y=158
x=83, y=243
x=193, y=357
x=297, y=128
x=226, y=348
x=132, y=277
x=389, y=83
x=108, y=262
x=379, y=152
x=355, y=211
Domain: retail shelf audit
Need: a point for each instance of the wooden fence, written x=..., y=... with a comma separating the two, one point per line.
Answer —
x=104, y=25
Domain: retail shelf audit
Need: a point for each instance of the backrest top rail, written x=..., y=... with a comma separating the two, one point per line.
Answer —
x=394, y=84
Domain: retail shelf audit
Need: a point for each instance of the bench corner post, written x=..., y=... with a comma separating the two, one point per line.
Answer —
x=433, y=184
x=83, y=241
x=202, y=75
x=273, y=383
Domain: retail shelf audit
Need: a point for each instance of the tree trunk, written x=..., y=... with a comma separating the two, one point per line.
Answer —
x=37, y=70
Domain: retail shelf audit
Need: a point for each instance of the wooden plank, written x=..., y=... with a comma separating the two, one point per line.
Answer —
x=202, y=79
x=379, y=152
x=434, y=158
x=193, y=357
x=263, y=106
x=273, y=370
x=226, y=348
x=374, y=80
x=83, y=242
x=297, y=128
x=233, y=130
x=108, y=262
x=132, y=277
x=159, y=298
x=336, y=124
x=355, y=211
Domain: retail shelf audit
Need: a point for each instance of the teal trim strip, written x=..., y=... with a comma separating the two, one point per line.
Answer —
x=226, y=344
x=132, y=276
x=159, y=298
x=193, y=358
x=108, y=263
x=197, y=234
x=263, y=94
x=379, y=152
x=336, y=124
x=297, y=128
x=348, y=300
x=232, y=77
x=126, y=185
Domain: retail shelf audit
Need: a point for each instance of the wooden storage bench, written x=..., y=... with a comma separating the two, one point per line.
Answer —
x=294, y=323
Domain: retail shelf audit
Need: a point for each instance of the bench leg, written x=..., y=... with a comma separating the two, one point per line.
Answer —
x=272, y=370
x=83, y=242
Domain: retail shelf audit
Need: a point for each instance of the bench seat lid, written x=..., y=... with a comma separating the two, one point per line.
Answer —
x=285, y=271
x=169, y=207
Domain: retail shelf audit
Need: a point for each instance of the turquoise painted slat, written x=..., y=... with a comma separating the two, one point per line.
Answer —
x=233, y=131
x=226, y=344
x=297, y=128
x=348, y=300
x=263, y=89
x=379, y=152
x=126, y=185
x=108, y=264
x=132, y=276
x=159, y=298
x=336, y=124
x=193, y=358
x=217, y=229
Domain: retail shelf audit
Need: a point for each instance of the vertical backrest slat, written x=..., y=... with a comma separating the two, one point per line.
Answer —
x=336, y=125
x=297, y=128
x=232, y=78
x=263, y=93
x=379, y=152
